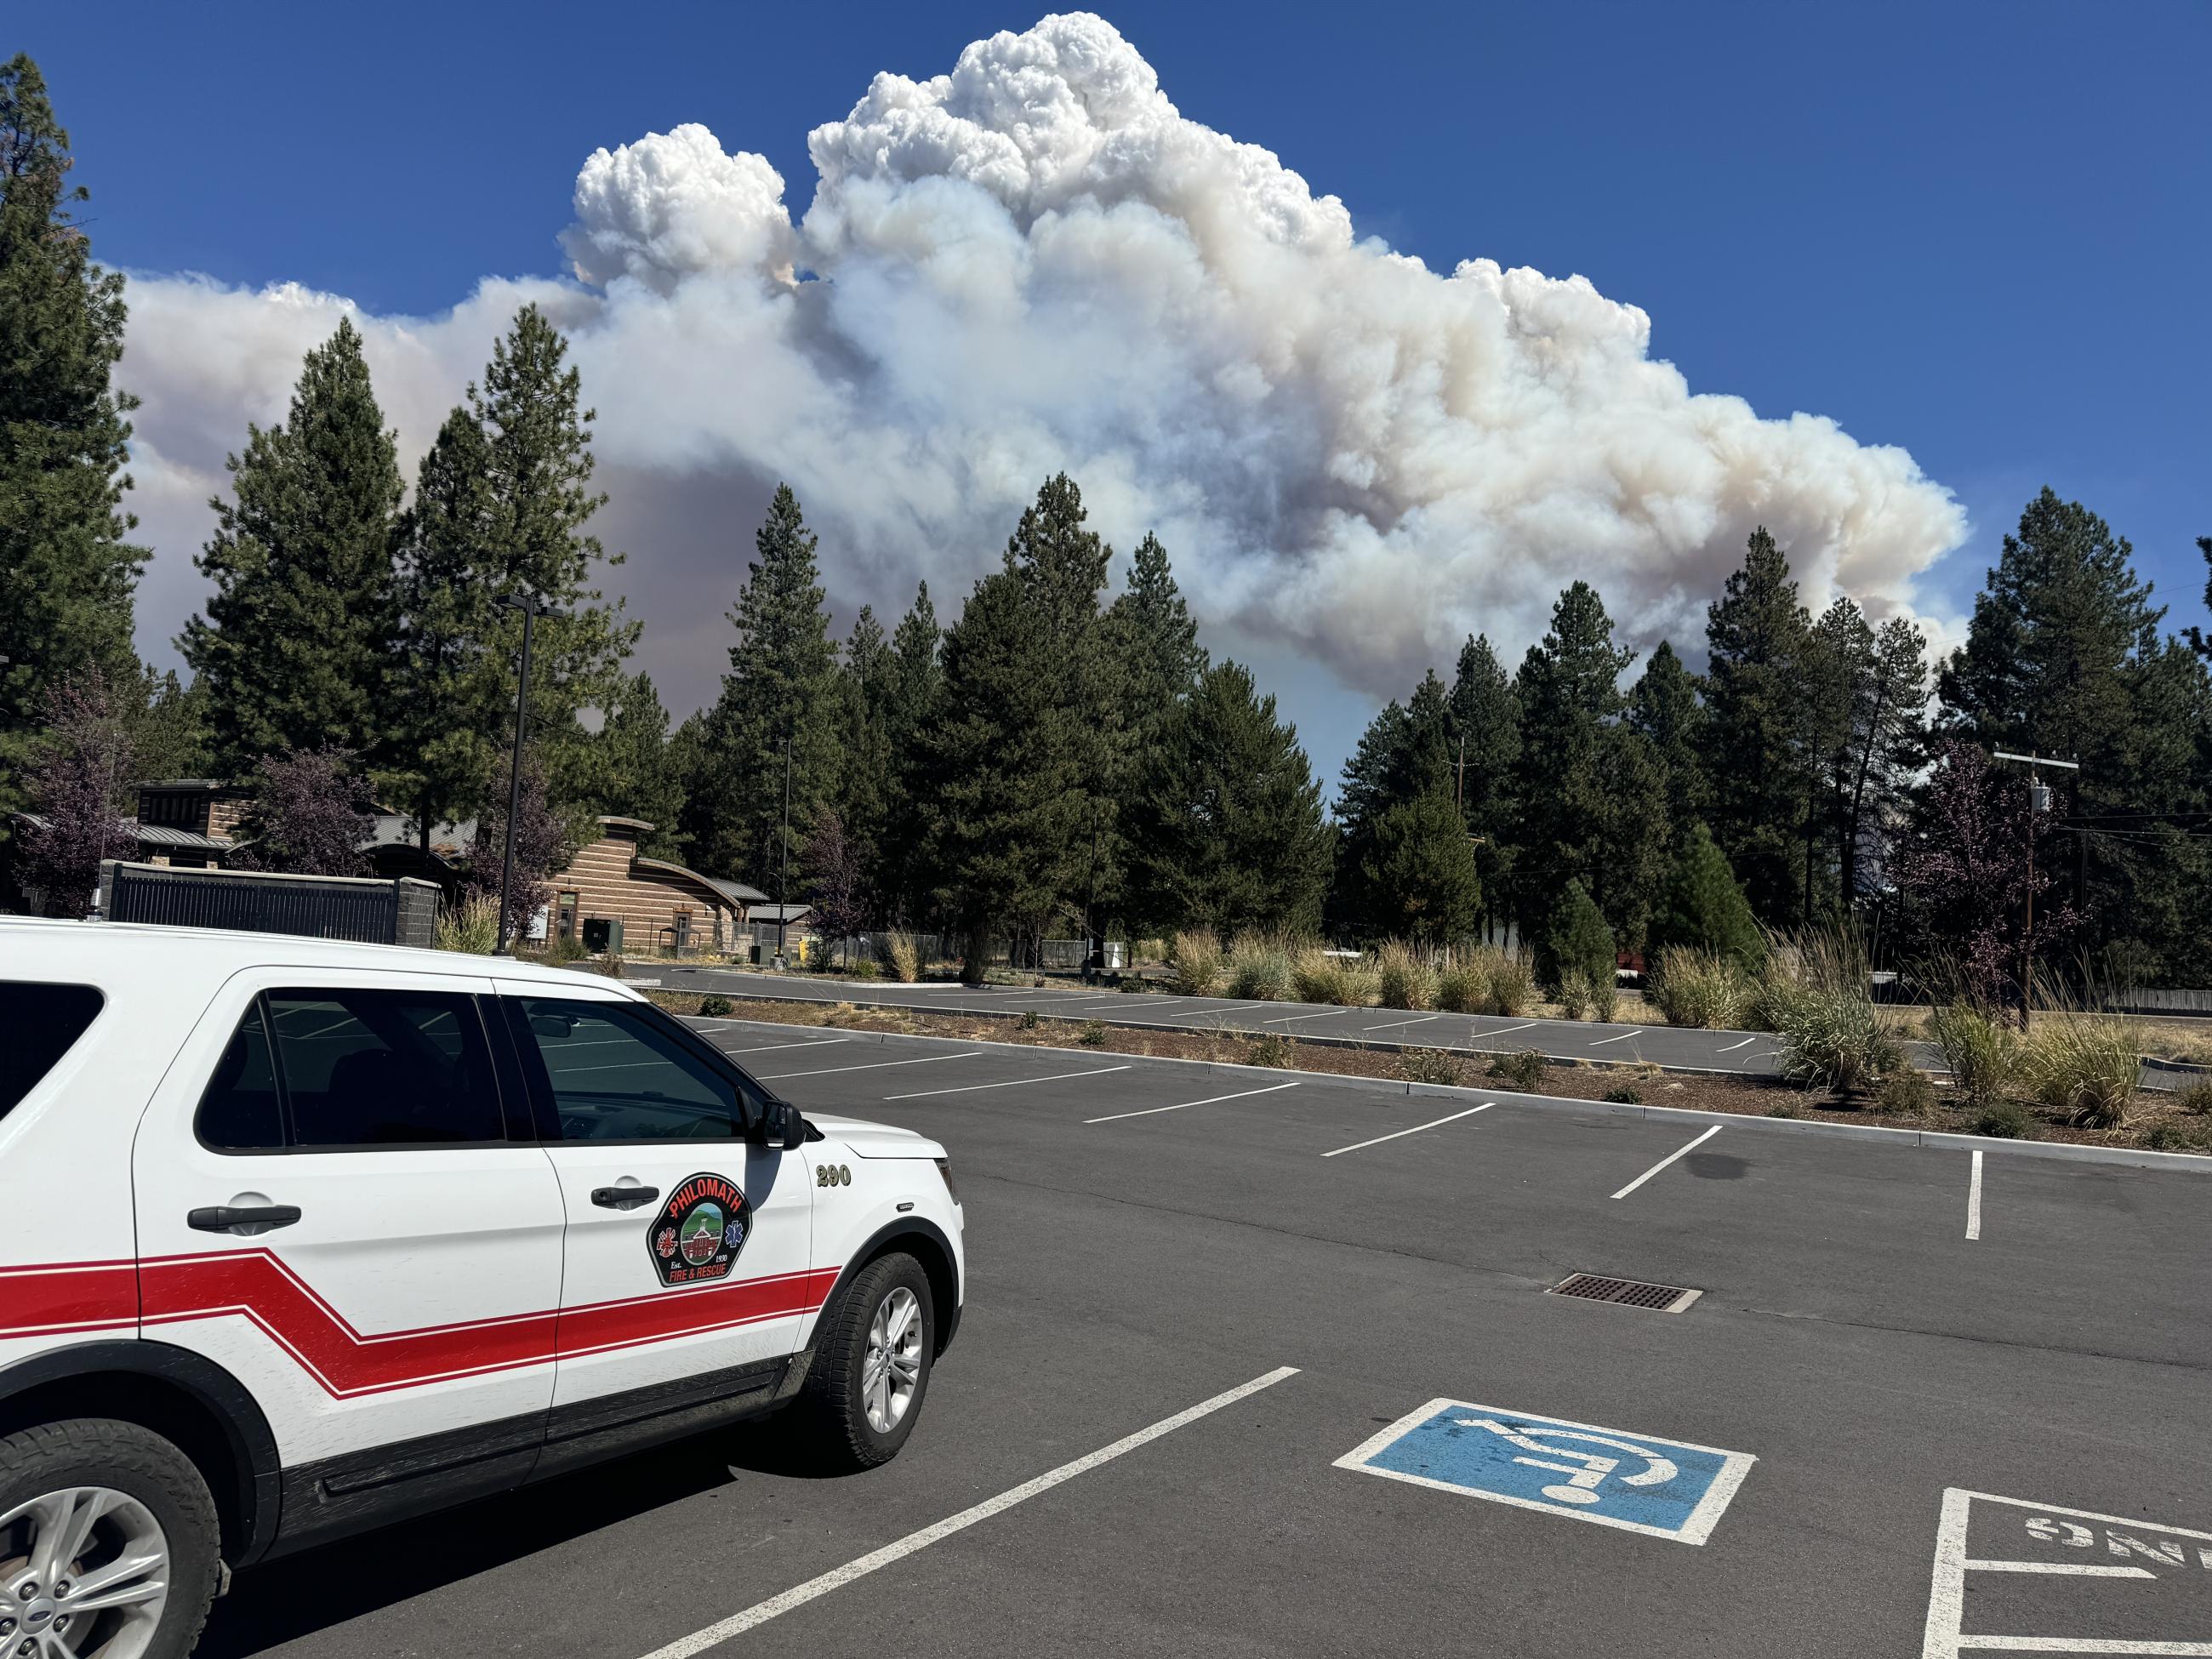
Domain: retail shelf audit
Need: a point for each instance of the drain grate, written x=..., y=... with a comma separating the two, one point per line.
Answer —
x=1628, y=1292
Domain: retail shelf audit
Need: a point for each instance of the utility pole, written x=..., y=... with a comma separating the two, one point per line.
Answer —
x=531, y=608
x=2039, y=800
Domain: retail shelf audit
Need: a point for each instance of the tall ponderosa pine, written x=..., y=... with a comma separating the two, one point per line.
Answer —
x=1408, y=750
x=1418, y=870
x=778, y=698
x=1593, y=793
x=66, y=570
x=1758, y=639
x=1664, y=706
x=1224, y=826
x=864, y=787
x=910, y=705
x=1017, y=762
x=503, y=506
x=1486, y=745
x=1151, y=631
x=297, y=648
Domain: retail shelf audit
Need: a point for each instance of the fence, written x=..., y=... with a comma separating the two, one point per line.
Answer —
x=404, y=911
x=1064, y=955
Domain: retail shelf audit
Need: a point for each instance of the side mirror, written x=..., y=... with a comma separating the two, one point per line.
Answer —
x=786, y=1128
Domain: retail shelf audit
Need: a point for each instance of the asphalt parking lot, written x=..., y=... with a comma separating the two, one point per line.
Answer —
x=1749, y=1052
x=1892, y=1437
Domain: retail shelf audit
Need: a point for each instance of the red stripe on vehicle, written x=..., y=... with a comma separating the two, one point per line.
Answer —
x=257, y=1285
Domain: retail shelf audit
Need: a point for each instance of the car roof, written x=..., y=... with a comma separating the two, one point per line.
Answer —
x=113, y=953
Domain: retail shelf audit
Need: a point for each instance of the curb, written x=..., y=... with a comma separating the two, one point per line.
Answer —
x=2127, y=1157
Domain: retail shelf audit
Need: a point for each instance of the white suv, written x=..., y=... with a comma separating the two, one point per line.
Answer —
x=301, y=1237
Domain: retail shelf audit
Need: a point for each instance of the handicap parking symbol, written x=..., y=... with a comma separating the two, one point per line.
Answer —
x=1637, y=1482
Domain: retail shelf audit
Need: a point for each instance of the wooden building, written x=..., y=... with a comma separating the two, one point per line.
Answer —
x=659, y=904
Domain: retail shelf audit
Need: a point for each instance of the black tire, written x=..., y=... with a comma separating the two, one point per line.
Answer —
x=139, y=1464
x=832, y=1406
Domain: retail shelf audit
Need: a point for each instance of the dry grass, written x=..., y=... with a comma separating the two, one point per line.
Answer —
x=1194, y=968
x=1697, y=989
x=1259, y=967
x=2081, y=1067
x=1406, y=979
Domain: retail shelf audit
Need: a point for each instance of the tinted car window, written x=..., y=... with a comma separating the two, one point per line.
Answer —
x=240, y=1111
x=38, y=1025
x=617, y=1074
x=371, y=1068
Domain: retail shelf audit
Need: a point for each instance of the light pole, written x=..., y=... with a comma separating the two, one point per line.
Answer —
x=2039, y=800
x=531, y=608
x=783, y=880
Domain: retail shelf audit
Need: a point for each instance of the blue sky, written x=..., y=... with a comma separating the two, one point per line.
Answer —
x=1980, y=232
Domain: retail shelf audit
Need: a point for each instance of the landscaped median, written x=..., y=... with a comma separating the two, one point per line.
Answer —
x=2182, y=1123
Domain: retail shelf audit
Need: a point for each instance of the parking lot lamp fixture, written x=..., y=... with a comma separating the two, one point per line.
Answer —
x=531, y=608
x=2039, y=800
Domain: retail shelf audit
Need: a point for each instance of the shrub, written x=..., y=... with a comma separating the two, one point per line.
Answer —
x=1462, y=988
x=1978, y=1049
x=1318, y=976
x=903, y=952
x=564, y=948
x=1625, y=1094
x=1699, y=988
x=1524, y=1071
x=1776, y=995
x=1512, y=985
x=1093, y=1034
x=2194, y=1097
x=1832, y=1036
x=471, y=926
x=1784, y=1109
x=714, y=1007
x=1430, y=1065
x=2083, y=1067
x=1575, y=992
x=1267, y=1049
x=2165, y=1136
x=1260, y=968
x=1029, y=1021
x=1907, y=1091
x=1407, y=981
x=2005, y=1120
x=1605, y=998
x=1195, y=964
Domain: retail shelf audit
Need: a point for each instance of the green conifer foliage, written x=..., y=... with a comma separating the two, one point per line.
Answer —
x=1420, y=871
x=297, y=646
x=1759, y=639
x=67, y=570
x=1577, y=938
x=1486, y=745
x=1703, y=907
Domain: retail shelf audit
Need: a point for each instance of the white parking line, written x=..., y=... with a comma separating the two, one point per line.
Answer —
x=760, y=1612
x=1473, y=1036
x=1319, y=1013
x=816, y=1043
x=1623, y=1037
x=871, y=1065
x=1974, y=1197
x=1665, y=1161
x=1211, y=1100
x=1390, y=1024
x=1733, y=1047
x=1415, y=1130
x=1011, y=1083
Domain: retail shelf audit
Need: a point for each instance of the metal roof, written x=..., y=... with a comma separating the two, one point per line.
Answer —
x=738, y=891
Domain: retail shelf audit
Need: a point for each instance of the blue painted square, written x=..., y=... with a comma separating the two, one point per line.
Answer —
x=1639, y=1482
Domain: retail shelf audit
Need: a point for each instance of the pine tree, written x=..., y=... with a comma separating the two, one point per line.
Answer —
x=1664, y=707
x=1578, y=939
x=1889, y=747
x=503, y=506
x=1593, y=793
x=910, y=702
x=2064, y=657
x=1420, y=871
x=67, y=571
x=296, y=645
x=1702, y=907
x=168, y=725
x=1225, y=824
x=866, y=786
x=1486, y=743
x=633, y=773
x=1758, y=639
x=777, y=699
x=1017, y=761
x=1406, y=751
x=1150, y=628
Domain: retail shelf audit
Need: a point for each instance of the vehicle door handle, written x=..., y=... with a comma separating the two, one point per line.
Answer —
x=231, y=1217
x=623, y=1198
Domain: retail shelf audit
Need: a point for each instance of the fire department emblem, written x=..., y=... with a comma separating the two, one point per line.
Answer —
x=699, y=1231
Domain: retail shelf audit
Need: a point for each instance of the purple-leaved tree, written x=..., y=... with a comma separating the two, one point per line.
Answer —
x=310, y=814
x=1962, y=876
x=541, y=850
x=834, y=883
x=77, y=786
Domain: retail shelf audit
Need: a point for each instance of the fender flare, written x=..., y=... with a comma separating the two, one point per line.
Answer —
x=246, y=1431
x=907, y=1226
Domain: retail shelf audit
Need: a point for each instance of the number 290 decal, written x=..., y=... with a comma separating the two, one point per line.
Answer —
x=833, y=1175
